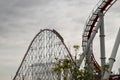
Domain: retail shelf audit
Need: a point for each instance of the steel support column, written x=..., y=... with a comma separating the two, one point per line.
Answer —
x=113, y=56
x=119, y=70
x=102, y=44
x=90, y=40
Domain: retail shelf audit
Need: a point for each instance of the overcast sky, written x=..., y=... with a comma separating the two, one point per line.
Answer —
x=21, y=20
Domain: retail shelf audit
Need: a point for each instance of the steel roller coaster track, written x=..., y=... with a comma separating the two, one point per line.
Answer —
x=48, y=45
x=103, y=6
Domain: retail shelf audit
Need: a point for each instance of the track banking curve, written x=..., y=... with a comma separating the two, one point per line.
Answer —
x=93, y=19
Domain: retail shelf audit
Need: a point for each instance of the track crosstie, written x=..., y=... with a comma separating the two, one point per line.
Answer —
x=103, y=6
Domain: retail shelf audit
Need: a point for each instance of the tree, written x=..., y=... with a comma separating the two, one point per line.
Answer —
x=69, y=71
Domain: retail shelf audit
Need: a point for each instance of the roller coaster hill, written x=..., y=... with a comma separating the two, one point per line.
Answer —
x=48, y=45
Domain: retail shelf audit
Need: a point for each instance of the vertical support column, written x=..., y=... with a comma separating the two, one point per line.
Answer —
x=89, y=63
x=88, y=55
x=119, y=70
x=90, y=41
x=113, y=56
x=102, y=43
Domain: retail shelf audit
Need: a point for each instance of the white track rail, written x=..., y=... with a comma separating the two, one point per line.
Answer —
x=91, y=23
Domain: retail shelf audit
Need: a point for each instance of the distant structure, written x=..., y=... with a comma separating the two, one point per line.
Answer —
x=48, y=45
x=40, y=57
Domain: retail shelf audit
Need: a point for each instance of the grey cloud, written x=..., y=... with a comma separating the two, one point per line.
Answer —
x=20, y=20
x=32, y=3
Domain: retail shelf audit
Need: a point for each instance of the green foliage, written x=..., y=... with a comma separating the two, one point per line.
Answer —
x=76, y=47
x=65, y=67
x=106, y=67
x=105, y=79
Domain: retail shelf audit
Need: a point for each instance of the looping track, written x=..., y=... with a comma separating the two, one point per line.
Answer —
x=103, y=6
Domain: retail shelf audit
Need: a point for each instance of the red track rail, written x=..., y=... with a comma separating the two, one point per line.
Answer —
x=103, y=6
x=114, y=77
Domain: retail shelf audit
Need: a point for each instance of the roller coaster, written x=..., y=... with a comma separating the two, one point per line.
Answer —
x=49, y=44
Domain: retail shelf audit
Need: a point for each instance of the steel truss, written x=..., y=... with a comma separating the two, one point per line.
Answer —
x=40, y=56
x=94, y=22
